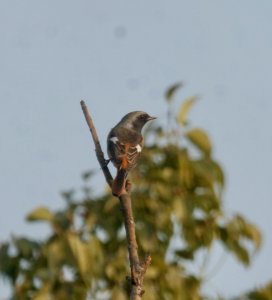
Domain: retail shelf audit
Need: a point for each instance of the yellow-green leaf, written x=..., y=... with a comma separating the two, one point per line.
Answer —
x=82, y=254
x=218, y=173
x=118, y=294
x=254, y=234
x=170, y=92
x=184, y=110
x=241, y=253
x=40, y=214
x=200, y=139
x=179, y=209
x=152, y=272
x=43, y=293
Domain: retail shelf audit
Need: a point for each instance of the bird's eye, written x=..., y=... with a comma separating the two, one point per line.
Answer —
x=143, y=117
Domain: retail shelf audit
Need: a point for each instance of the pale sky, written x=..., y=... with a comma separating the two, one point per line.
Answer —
x=120, y=56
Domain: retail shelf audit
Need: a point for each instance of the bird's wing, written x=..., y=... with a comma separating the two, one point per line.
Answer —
x=128, y=154
x=124, y=154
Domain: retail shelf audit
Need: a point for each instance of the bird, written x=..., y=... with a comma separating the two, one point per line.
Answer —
x=124, y=145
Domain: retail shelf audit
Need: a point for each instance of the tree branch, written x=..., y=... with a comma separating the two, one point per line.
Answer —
x=98, y=150
x=137, y=267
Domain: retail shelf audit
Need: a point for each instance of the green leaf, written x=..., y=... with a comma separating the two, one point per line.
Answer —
x=252, y=232
x=207, y=202
x=241, y=253
x=43, y=293
x=118, y=294
x=9, y=266
x=233, y=236
x=170, y=92
x=184, y=110
x=153, y=272
x=25, y=247
x=179, y=209
x=88, y=174
x=88, y=255
x=185, y=253
x=262, y=293
x=200, y=139
x=62, y=220
x=40, y=214
x=218, y=173
x=80, y=252
x=248, y=231
x=68, y=195
x=208, y=173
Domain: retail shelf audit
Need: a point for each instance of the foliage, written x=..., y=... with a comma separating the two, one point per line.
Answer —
x=263, y=293
x=177, y=193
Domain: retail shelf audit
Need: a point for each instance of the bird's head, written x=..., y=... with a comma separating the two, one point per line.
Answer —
x=136, y=120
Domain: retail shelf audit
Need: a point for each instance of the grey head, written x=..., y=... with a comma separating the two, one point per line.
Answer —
x=135, y=120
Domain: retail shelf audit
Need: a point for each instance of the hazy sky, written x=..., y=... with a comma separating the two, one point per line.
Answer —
x=120, y=56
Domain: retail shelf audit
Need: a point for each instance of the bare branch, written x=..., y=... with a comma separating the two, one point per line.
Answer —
x=98, y=150
x=137, y=268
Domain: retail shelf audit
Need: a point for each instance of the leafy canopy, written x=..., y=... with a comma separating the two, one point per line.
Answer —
x=177, y=195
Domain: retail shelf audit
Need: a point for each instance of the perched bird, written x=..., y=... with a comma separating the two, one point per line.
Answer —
x=124, y=144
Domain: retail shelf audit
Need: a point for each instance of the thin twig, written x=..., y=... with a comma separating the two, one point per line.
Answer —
x=98, y=149
x=137, y=267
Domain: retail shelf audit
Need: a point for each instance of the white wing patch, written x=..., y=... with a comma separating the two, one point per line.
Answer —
x=114, y=139
x=139, y=148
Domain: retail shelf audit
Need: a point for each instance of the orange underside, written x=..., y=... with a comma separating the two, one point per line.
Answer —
x=124, y=159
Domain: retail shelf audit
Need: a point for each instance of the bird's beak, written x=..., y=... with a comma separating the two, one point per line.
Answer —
x=151, y=118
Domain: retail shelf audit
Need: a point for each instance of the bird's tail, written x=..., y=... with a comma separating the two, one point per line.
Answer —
x=118, y=185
